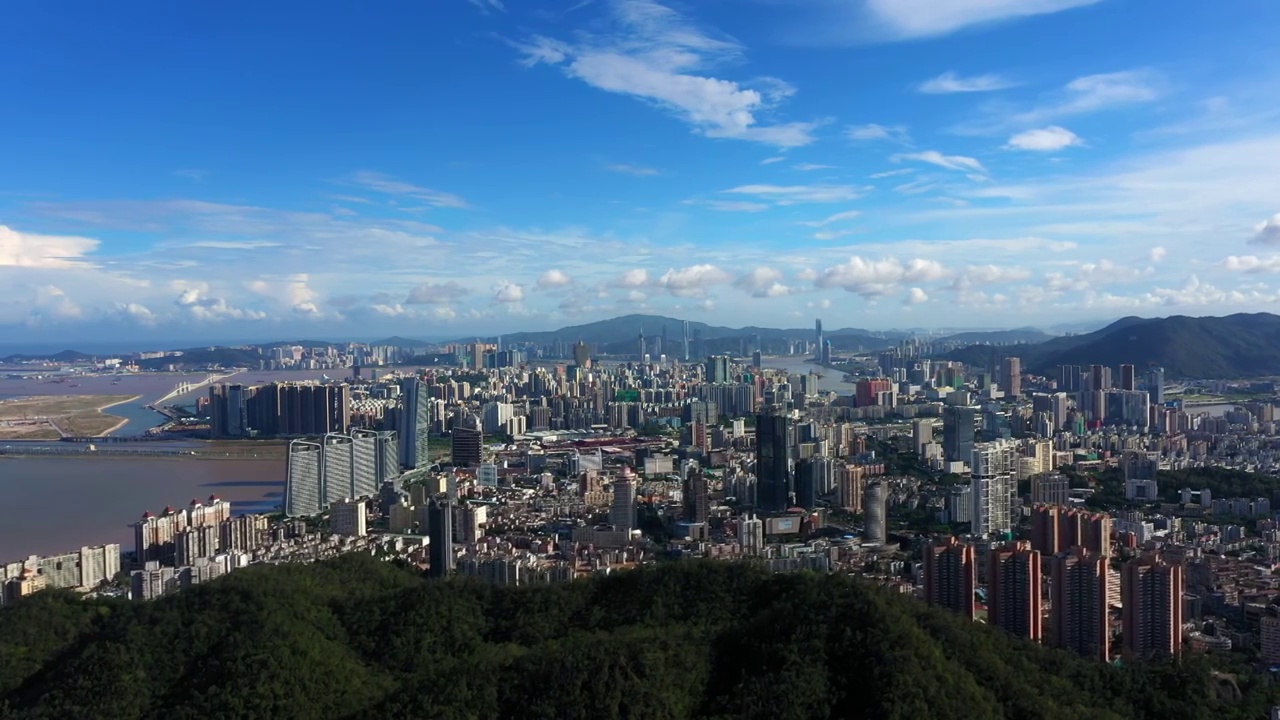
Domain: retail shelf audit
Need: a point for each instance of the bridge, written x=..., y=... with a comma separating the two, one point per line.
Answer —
x=183, y=388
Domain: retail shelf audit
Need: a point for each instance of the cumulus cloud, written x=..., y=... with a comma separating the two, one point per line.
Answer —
x=554, y=278
x=692, y=281
x=638, y=277
x=763, y=282
x=1265, y=233
x=1044, y=140
x=950, y=162
x=1252, y=264
x=657, y=55
x=509, y=293
x=28, y=250
x=1157, y=254
x=991, y=274
x=950, y=82
x=200, y=306
x=874, y=278
x=436, y=293
x=915, y=296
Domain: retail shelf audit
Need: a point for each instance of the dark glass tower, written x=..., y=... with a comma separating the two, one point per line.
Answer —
x=773, y=462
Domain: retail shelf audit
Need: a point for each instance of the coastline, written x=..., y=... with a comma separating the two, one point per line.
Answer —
x=123, y=421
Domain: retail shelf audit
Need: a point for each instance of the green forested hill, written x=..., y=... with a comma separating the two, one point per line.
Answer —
x=356, y=638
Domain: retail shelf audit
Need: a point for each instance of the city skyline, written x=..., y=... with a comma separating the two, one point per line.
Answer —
x=1031, y=163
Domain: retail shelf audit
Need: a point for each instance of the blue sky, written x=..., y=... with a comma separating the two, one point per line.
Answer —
x=460, y=167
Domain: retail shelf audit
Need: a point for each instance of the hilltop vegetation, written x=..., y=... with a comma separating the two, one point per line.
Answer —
x=356, y=638
x=1236, y=346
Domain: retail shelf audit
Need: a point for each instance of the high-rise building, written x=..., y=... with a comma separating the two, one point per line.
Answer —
x=950, y=571
x=440, y=537
x=1151, y=608
x=751, y=535
x=1011, y=377
x=875, y=511
x=581, y=355
x=1080, y=585
x=685, y=340
x=1155, y=385
x=717, y=370
x=1013, y=589
x=1056, y=529
x=321, y=473
x=1140, y=472
x=868, y=391
x=415, y=423
x=774, y=440
x=957, y=433
x=1099, y=377
x=994, y=483
x=622, y=511
x=1050, y=489
x=818, y=341
x=467, y=446
x=1069, y=378
x=1128, y=380
x=697, y=497
x=921, y=434
x=349, y=517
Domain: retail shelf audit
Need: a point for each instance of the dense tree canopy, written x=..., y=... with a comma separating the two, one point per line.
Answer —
x=355, y=638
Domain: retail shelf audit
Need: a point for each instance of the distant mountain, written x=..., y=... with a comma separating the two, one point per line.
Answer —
x=1235, y=346
x=997, y=337
x=619, y=335
x=66, y=356
x=400, y=342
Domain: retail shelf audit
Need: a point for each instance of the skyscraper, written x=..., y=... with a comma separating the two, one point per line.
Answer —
x=1011, y=377
x=717, y=369
x=415, y=423
x=874, y=507
x=467, y=446
x=1127, y=379
x=773, y=462
x=921, y=434
x=818, y=340
x=349, y=517
x=697, y=497
x=1013, y=589
x=950, y=574
x=440, y=537
x=1151, y=608
x=1155, y=385
x=302, y=493
x=1080, y=585
x=324, y=472
x=1140, y=472
x=622, y=511
x=994, y=483
x=581, y=355
x=685, y=340
x=957, y=433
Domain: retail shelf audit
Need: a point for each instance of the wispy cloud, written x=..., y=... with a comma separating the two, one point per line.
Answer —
x=808, y=167
x=798, y=194
x=744, y=206
x=950, y=162
x=388, y=185
x=950, y=82
x=772, y=160
x=192, y=175
x=656, y=54
x=488, y=6
x=872, y=131
x=892, y=173
x=1082, y=96
x=905, y=19
x=846, y=215
x=637, y=170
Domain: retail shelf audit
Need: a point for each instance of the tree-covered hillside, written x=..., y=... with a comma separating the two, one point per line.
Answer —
x=356, y=638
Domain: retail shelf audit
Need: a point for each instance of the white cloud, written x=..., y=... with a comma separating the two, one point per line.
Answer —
x=807, y=167
x=1092, y=93
x=51, y=303
x=436, y=293
x=554, y=278
x=872, y=131
x=1157, y=254
x=926, y=18
x=657, y=55
x=874, y=278
x=951, y=162
x=731, y=205
x=992, y=274
x=388, y=185
x=137, y=313
x=1044, y=140
x=772, y=160
x=950, y=82
x=486, y=6
x=763, y=282
x=846, y=215
x=1252, y=264
x=915, y=296
x=797, y=194
x=834, y=234
x=892, y=173
x=200, y=306
x=693, y=280
x=27, y=250
x=638, y=277
x=637, y=170
x=822, y=304
x=1267, y=232
x=509, y=292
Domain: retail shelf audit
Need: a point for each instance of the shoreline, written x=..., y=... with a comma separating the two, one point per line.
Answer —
x=123, y=421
